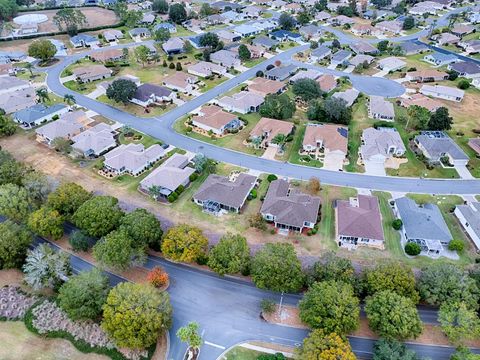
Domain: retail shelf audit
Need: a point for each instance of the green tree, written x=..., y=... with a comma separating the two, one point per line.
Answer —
x=7, y=126
x=46, y=268
x=412, y=249
x=8, y=9
x=79, y=241
x=459, y=322
x=331, y=306
x=14, y=243
x=142, y=54
x=278, y=107
x=70, y=20
x=409, y=23
x=304, y=17
x=43, y=50
x=276, y=267
x=307, y=89
x=121, y=90
x=42, y=94
x=286, y=21
x=381, y=3
x=69, y=99
x=177, y=13
x=135, y=314
x=332, y=267
x=210, y=40
x=189, y=334
x=117, y=251
x=230, y=256
x=440, y=120
x=319, y=345
x=46, y=222
x=316, y=111
x=392, y=316
x=62, y=145
x=132, y=17
x=11, y=171
x=184, y=243
x=143, y=228
x=160, y=6
x=464, y=353
x=206, y=10
x=440, y=283
x=392, y=350
x=98, y=216
x=463, y=84
x=161, y=35
x=392, y=276
x=337, y=111
x=67, y=198
x=418, y=117
x=83, y=295
x=243, y=53
x=456, y=245
x=383, y=45
x=14, y=202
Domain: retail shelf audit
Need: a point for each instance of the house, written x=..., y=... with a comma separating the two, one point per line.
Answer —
x=329, y=140
x=341, y=20
x=233, y=16
x=194, y=25
x=167, y=26
x=280, y=73
x=219, y=193
x=255, y=51
x=380, y=145
x=361, y=59
x=264, y=87
x=443, y=92
x=428, y=75
x=475, y=144
x=349, y=96
x=362, y=29
x=267, y=129
x=359, y=222
x=112, y=35
x=277, y=4
x=132, y=159
x=252, y=12
x=226, y=58
x=470, y=46
x=173, y=46
x=289, y=209
x=228, y=36
x=38, y=114
x=84, y=40
x=140, y=33
x=391, y=26
x=362, y=47
x=469, y=216
x=468, y=69
x=105, y=84
x=94, y=141
x=340, y=57
x=292, y=7
x=421, y=100
x=17, y=100
x=213, y=119
x=168, y=177
x=446, y=39
x=461, y=30
x=320, y=53
x=412, y=48
x=327, y=82
x=308, y=74
x=11, y=56
x=10, y=84
x=85, y=74
x=147, y=19
x=107, y=55
x=180, y=81
x=243, y=102
x=7, y=70
x=423, y=225
x=436, y=145
x=60, y=46
x=215, y=19
x=391, y=63
x=148, y=94
x=205, y=69
x=322, y=16
x=265, y=25
x=310, y=32
x=265, y=42
x=379, y=108
x=440, y=59
x=245, y=30
x=69, y=125
x=284, y=35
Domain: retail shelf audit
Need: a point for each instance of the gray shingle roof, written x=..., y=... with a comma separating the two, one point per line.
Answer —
x=436, y=147
x=38, y=111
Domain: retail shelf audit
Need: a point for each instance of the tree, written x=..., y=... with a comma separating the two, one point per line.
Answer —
x=117, y=251
x=67, y=198
x=332, y=267
x=135, y=314
x=11, y=171
x=189, y=334
x=14, y=202
x=391, y=276
x=463, y=84
x=337, y=111
x=83, y=295
x=143, y=228
x=178, y=66
x=157, y=277
x=47, y=223
x=206, y=10
x=440, y=283
x=392, y=350
x=276, y=267
x=307, y=89
x=331, y=306
x=278, y=107
x=440, y=120
x=286, y=21
x=412, y=249
x=161, y=35
x=69, y=19
x=345, y=10
x=304, y=17
x=459, y=322
x=319, y=345
x=7, y=126
x=43, y=50
x=46, y=268
x=8, y=9
x=397, y=224
x=79, y=241
x=244, y=53
x=464, y=353
x=383, y=45
x=230, y=256
x=313, y=185
x=42, y=94
x=381, y=3
x=98, y=216
x=14, y=243
x=392, y=316
x=177, y=13
x=160, y=6
x=418, y=117
x=132, y=17
x=142, y=54
x=62, y=145
x=321, y=5
x=121, y=90
x=209, y=40
x=316, y=111
x=409, y=23
x=336, y=44
x=456, y=245
x=184, y=243
x=257, y=221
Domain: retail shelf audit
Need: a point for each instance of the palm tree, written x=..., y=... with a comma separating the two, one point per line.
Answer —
x=29, y=67
x=42, y=94
x=69, y=99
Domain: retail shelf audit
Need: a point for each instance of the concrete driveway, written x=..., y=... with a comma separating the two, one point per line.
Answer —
x=463, y=172
x=373, y=167
x=333, y=161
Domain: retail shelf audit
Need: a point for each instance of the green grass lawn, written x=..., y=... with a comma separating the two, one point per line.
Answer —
x=146, y=140
x=82, y=88
x=241, y=353
x=360, y=121
x=137, y=109
x=297, y=143
x=38, y=77
x=253, y=62
x=211, y=83
x=181, y=31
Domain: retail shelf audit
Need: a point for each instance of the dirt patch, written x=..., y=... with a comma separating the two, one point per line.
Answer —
x=22, y=44
x=288, y=316
x=11, y=277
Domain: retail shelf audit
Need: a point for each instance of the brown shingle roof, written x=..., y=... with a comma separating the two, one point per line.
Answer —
x=265, y=87
x=327, y=82
x=333, y=136
x=214, y=117
x=272, y=127
x=475, y=144
x=107, y=54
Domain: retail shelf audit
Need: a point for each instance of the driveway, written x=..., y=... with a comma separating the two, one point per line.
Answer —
x=99, y=91
x=376, y=168
x=463, y=172
x=270, y=153
x=333, y=161
x=381, y=73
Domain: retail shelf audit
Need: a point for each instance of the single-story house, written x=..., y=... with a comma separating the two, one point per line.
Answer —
x=219, y=193
x=90, y=73
x=436, y=145
x=132, y=158
x=341, y=20
x=320, y=53
x=147, y=19
x=284, y=35
x=180, y=81
x=305, y=74
x=443, y=92
x=391, y=64
x=84, y=40
x=469, y=216
x=245, y=30
x=140, y=33
x=474, y=143
x=38, y=114
x=165, y=25
x=264, y=87
x=106, y=55
x=310, y=32
x=148, y=94
x=290, y=209
x=359, y=222
x=463, y=29
x=69, y=125
x=204, y=69
x=468, y=69
x=228, y=36
x=446, y=39
x=264, y=41
x=362, y=47
x=16, y=100
x=391, y=26
x=322, y=16
x=243, y=102
x=381, y=144
x=173, y=46
x=429, y=75
x=340, y=57
x=421, y=100
x=94, y=141
x=349, y=96
x=112, y=35
x=412, y=48
x=280, y=73
x=440, y=59
x=213, y=119
x=225, y=58
x=266, y=130
x=327, y=82
x=379, y=108
x=470, y=46
x=361, y=59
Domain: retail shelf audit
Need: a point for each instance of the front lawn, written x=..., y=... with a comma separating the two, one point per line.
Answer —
x=82, y=88
x=297, y=144
x=253, y=62
x=138, y=110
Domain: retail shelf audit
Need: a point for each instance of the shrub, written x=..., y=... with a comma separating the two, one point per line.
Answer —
x=55, y=117
x=157, y=277
x=253, y=194
x=180, y=189
x=397, y=224
x=456, y=245
x=463, y=84
x=412, y=249
x=193, y=177
x=271, y=177
x=79, y=241
x=267, y=306
x=259, y=73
